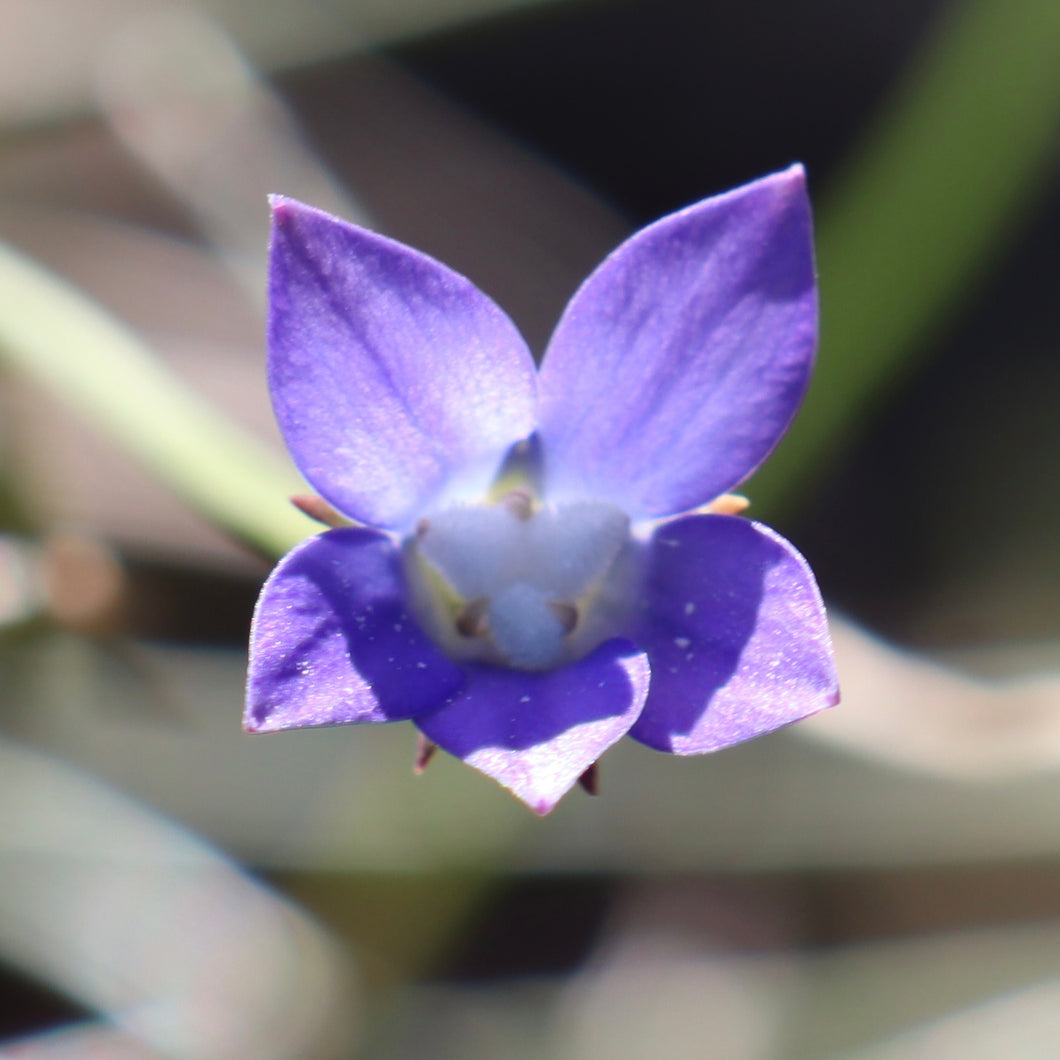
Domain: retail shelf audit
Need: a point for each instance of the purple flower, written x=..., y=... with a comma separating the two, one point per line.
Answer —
x=538, y=566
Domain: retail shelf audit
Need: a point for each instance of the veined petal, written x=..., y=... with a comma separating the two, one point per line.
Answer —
x=389, y=372
x=333, y=643
x=536, y=733
x=682, y=359
x=733, y=624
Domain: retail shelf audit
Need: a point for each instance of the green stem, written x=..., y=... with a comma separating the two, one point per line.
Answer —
x=933, y=196
x=56, y=336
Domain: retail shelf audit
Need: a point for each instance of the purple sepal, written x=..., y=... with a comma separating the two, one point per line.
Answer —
x=681, y=360
x=333, y=643
x=537, y=732
x=389, y=372
x=733, y=624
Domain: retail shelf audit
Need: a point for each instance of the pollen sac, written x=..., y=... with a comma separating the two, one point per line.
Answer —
x=566, y=614
x=520, y=583
x=470, y=620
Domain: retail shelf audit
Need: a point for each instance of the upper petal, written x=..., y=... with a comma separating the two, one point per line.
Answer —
x=733, y=624
x=389, y=372
x=333, y=643
x=681, y=360
x=536, y=733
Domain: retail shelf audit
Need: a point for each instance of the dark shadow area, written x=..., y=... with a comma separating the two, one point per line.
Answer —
x=29, y=1007
x=200, y=606
x=656, y=103
x=941, y=525
x=532, y=926
x=518, y=709
x=335, y=613
x=702, y=596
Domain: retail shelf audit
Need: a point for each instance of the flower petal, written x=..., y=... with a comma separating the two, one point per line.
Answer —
x=681, y=360
x=332, y=641
x=389, y=372
x=536, y=733
x=736, y=632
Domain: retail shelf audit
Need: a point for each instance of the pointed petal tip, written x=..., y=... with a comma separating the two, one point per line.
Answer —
x=788, y=185
x=537, y=732
x=286, y=211
x=538, y=788
x=540, y=803
x=281, y=206
x=257, y=727
x=254, y=721
x=262, y=722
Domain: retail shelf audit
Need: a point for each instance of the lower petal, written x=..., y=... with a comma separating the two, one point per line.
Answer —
x=736, y=632
x=537, y=732
x=333, y=642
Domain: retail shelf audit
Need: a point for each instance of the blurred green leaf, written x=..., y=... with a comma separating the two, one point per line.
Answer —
x=932, y=197
x=55, y=335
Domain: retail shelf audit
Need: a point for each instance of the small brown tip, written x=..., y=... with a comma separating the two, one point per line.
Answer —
x=470, y=620
x=590, y=780
x=85, y=587
x=318, y=509
x=728, y=504
x=566, y=614
x=425, y=750
x=520, y=503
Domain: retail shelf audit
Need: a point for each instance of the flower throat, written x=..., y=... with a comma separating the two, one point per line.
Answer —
x=516, y=581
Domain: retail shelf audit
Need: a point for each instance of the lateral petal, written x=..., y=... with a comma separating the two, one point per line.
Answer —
x=735, y=629
x=682, y=359
x=390, y=373
x=333, y=642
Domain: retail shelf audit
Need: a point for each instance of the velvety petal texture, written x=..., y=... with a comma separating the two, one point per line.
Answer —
x=391, y=375
x=536, y=733
x=732, y=621
x=332, y=641
x=400, y=389
x=681, y=360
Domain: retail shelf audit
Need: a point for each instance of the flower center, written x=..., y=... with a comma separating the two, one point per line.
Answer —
x=520, y=583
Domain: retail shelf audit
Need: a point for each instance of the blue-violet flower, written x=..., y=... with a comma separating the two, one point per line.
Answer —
x=535, y=563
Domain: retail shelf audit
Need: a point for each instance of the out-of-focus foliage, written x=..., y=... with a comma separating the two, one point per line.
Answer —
x=61, y=339
x=931, y=196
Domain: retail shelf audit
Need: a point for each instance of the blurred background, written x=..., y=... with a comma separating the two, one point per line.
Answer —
x=882, y=881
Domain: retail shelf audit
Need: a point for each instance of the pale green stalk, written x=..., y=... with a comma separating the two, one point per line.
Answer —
x=53, y=334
